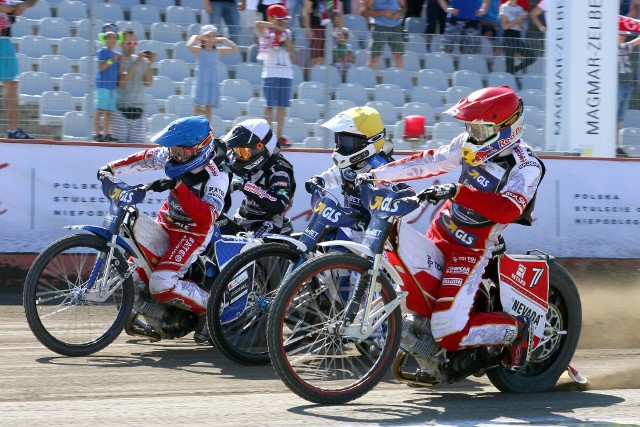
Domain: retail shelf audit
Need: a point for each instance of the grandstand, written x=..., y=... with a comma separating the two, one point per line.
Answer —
x=55, y=55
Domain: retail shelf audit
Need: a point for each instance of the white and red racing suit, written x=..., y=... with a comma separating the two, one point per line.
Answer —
x=468, y=229
x=188, y=217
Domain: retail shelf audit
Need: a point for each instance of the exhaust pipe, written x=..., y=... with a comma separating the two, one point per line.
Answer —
x=410, y=378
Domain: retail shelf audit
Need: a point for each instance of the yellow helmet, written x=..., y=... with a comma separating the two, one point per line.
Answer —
x=359, y=134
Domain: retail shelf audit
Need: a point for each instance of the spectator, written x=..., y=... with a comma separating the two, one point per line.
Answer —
x=227, y=10
x=249, y=16
x=206, y=91
x=9, y=66
x=316, y=15
x=513, y=18
x=386, y=28
x=489, y=22
x=625, y=75
x=536, y=12
x=276, y=48
x=106, y=82
x=342, y=51
x=463, y=25
x=436, y=18
x=295, y=7
x=414, y=9
x=634, y=9
x=135, y=74
x=264, y=4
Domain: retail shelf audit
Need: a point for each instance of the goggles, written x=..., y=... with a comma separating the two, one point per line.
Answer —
x=181, y=154
x=480, y=132
x=349, y=143
x=246, y=153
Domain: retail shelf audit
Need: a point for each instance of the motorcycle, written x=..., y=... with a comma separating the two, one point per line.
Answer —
x=79, y=293
x=353, y=341
x=242, y=293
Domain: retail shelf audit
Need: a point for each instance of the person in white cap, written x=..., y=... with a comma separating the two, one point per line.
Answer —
x=263, y=175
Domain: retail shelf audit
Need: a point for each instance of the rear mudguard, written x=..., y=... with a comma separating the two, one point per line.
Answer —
x=360, y=249
x=103, y=233
x=279, y=237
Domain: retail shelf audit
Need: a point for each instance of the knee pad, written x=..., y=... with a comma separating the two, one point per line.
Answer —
x=162, y=281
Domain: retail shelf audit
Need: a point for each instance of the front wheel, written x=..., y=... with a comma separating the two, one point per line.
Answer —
x=240, y=299
x=70, y=307
x=551, y=358
x=307, y=342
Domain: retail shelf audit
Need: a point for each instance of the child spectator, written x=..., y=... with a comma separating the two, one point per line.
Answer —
x=342, y=51
x=275, y=51
x=206, y=91
x=106, y=82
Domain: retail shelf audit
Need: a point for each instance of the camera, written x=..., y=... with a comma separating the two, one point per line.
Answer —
x=147, y=53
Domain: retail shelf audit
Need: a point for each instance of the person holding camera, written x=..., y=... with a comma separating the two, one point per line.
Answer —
x=135, y=74
x=207, y=47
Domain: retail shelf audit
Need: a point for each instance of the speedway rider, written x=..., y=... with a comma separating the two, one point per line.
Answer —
x=263, y=175
x=198, y=184
x=360, y=146
x=497, y=186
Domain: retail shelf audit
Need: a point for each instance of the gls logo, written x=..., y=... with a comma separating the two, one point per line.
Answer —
x=327, y=212
x=479, y=178
x=385, y=204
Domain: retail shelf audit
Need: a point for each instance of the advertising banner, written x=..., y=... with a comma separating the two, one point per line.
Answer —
x=586, y=208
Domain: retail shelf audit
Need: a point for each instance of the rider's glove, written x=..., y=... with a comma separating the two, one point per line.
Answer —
x=163, y=184
x=314, y=184
x=237, y=184
x=363, y=178
x=105, y=170
x=436, y=193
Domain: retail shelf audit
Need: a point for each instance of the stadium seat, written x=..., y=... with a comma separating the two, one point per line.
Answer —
x=427, y=95
x=467, y=78
x=533, y=136
x=240, y=89
x=534, y=116
x=631, y=119
x=125, y=4
x=219, y=126
x=533, y=98
x=530, y=81
x=447, y=130
x=255, y=106
x=440, y=61
x=387, y=111
x=40, y=10
x=433, y=78
x=25, y=63
x=499, y=64
x=187, y=85
x=166, y=32
x=419, y=109
x=318, y=74
x=411, y=61
x=250, y=71
x=32, y=85
x=352, y=92
x=150, y=105
x=415, y=25
x=109, y=12
x=183, y=16
x=176, y=69
x=55, y=65
x=72, y=10
x=400, y=77
x=228, y=108
x=363, y=76
x=477, y=63
x=415, y=44
x=137, y=27
x=83, y=27
x=313, y=142
x=252, y=53
x=630, y=136
x=164, y=4
x=76, y=126
x=53, y=106
x=434, y=144
x=312, y=90
x=305, y=109
x=295, y=130
x=180, y=51
x=161, y=88
x=23, y=27
x=498, y=78
x=231, y=59
x=77, y=85
x=146, y=14
x=390, y=93
x=339, y=105
x=36, y=46
x=159, y=121
x=456, y=93
x=74, y=48
x=180, y=105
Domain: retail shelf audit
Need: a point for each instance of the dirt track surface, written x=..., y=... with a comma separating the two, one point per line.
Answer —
x=134, y=382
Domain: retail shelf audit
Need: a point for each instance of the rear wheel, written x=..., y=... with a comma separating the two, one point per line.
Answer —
x=241, y=296
x=312, y=353
x=550, y=359
x=69, y=307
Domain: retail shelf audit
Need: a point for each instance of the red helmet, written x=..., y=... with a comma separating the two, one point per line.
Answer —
x=493, y=118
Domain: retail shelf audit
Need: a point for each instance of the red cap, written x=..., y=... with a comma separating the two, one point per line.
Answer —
x=277, y=11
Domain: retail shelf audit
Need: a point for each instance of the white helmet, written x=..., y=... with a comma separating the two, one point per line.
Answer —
x=359, y=134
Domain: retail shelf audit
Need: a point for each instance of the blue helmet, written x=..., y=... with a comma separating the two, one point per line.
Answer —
x=190, y=144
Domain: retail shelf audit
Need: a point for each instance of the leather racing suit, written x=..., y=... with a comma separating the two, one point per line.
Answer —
x=268, y=194
x=468, y=229
x=188, y=217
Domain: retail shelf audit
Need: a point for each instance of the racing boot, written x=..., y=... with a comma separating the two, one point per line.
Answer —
x=201, y=335
x=518, y=353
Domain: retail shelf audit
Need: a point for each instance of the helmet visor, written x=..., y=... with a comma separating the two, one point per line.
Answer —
x=349, y=143
x=480, y=132
x=246, y=153
x=182, y=154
